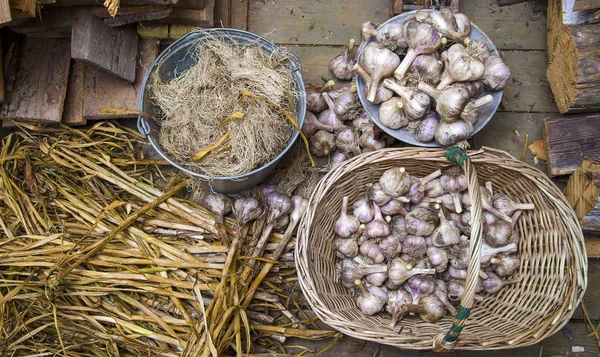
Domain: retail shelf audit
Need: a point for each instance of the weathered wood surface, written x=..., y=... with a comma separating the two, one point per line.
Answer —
x=41, y=82
x=1, y=72
x=113, y=50
x=104, y=91
x=102, y=12
x=50, y=22
x=592, y=294
x=123, y=2
x=239, y=14
x=582, y=189
x=190, y=17
x=570, y=138
x=582, y=5
x=12, y=57
x=574, y=70
x=4, y=11
x=222, y=13
x=509, y=2
x=22, y=8
x=73, y=109
x=153, y=30
x=121, y=20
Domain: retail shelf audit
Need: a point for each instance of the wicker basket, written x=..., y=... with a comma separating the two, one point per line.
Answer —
x=553, y=269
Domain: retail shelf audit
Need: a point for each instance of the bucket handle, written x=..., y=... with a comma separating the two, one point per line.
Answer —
x=445, y=342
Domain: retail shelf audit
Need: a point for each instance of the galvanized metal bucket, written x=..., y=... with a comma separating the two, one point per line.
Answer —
x=176, y=59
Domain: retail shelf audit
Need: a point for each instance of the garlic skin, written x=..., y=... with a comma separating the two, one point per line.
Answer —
x=315, y=102
x=395, y=182
x=421, y=39
x=378, y=227
x=425, y=131
x=370, y=249
x=400, y=271
x=426, y=68
x=506, y=265
x=352, y=270
x=376, y=194
x=346, y=247
x=341, y=65
x=450, y=101
x=370, y=142
x=438, y=258
x=496, y=73
x=391, y=113
x=328, y=117
x=447, y=134
x=370, y=300
x=322, y=143
x=379, y=63
x=415, y=103
x=311, y=125
x=363, y=210
x=346, y=141
x=430, y=308
x=398, y=226
x=390, y=247
x=421, y=221
x=498, y=234
x=346, y=225
x=347, y=105
x=383, y=94
x=460, y=66
x=246, y=210
x=469, y=113
x=396, y=299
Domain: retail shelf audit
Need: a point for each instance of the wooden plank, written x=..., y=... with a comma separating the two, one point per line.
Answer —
x=518, y=27
x=51, y=21
x=5, y=11
x=111, y=49
x=239, y=14
x=73, y=110
x=153, y=30
x=222, y=13
x=22, y=8
x=298, y=22
x=104, y=91
x=190, y=17
x=582, y=5
x=12, y=59
x=509, y=2
x=177, y=31
x=122, y=2
x=570, y=138
x=193, y=4
x=121, y=20
x=41, y=83
x=102, y=12
x=592, y=294
x=590, y=224
x=592, y=247
x=1, y=72
x=583, y=189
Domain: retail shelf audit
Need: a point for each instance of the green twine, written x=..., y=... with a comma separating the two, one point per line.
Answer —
x=455, y=330
x=455, y=154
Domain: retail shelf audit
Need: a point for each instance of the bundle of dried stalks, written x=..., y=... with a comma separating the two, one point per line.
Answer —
x=96, y=260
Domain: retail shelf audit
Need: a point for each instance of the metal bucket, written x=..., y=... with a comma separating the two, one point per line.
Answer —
x=178, y=58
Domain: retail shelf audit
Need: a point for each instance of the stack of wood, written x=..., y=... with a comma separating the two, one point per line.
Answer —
x=399, y=6
x=573, y=54
x=61, y=61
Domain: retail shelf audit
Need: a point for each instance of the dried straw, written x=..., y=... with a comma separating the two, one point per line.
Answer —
x=196, y=102
x=97, y=260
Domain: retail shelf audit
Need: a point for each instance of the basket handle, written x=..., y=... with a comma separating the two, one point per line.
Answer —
x=445, y=342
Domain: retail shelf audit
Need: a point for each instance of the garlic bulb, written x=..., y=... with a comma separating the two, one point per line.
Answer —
x=441, y=292
x=506, y=265
x=420, y=221
x=396, y=299
x=488, y=253
x=447, y=134
x=421, y=39
x=469, y=113
x=376, y=194
x=400, y=271
x=430, y=308
x=496, y=73
x=378, y=227
x=398, y=226
x=335, y=160
x=419, y=286
x=367, y=30
x=456, y=290
x=328, y=117
x=464, y=26
x=391, y=113
x=314, y=100
x=498, y=234
x=347, y=105
x=370, y=142
x=390, y=247
x=450, y=101
x=370, y=300
x=445, y=23
x=477, y=49
x=415, y=103
x=279, y=205
x=393, y=207
x=322, y=143
x=383, y=94
x=416, y=192
x=281, y=223
x=363, y=209
x=391, y=35
x=346, y=225
x=346, y=141
x=376, y=279
x=219, y=204
x=425, y=131
x=395, y=182
x=493, y=284
x=341, y=65
x=507, y=206
x=370, y=249
x=352, y=270
x=246, y=210
x=425, y=68
x=433, y=188
x=474, y=88
x=311, y=125
x=454, y=182
x=347, y=247
x=438, y=258
x=460, y=274
x=445, y=234
x=379, y=63
x=460, y=66
x=487, y=204
x=414, y=246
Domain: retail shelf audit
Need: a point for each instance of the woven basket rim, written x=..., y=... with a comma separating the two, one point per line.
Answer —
x=575, y=247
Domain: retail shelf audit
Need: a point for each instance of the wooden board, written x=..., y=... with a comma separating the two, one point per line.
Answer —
x=1, y=72
x=50, y=22
x=570, y=138
x=104, y=91
x=122, y=2
x=582, y=5
x=102, y=12
x=190, y=17
x=41, y=83
x=239, y=14
x=12, y=57
x=153, y=30
x=73, y=110
x=222, y=12
x=592, y=294
x=509, y=2
x=121, y=20
x=592, y=247
x=4, y=11
x=22, y=8
x=111, y=49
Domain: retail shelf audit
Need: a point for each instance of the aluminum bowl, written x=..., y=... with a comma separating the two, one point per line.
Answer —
x=485, y=114
x=178, y=58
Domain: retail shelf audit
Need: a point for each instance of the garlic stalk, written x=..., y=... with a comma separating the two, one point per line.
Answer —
x=311, y=125
x=322, y=143
x=352, y=270
x=346, y=225
x=370, y=300
x=496, y=73
x=383, y=94
x=314, y=101
x=430, y=308
x=395, y=182
x=454, y=182
x=400, y=271
x=328, y=117
x=415, y=103
x=378, y=227
x=421, y=39
x=507, y=206
x=450, y=101
x=469, y=113
x=370, y=249
x=391, y=113
x=346, y=141
x=396, y=299
x=379, y=63
x=459, y=66
x=341, y=65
